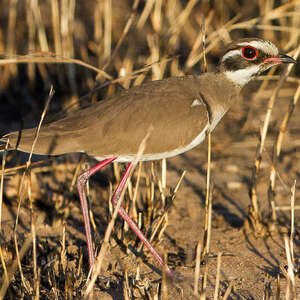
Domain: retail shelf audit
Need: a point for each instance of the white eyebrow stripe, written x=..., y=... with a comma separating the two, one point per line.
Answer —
x=265, y=46
x=232, y=53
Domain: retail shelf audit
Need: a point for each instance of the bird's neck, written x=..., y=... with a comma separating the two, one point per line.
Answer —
x=242, y=76
x=220, y=93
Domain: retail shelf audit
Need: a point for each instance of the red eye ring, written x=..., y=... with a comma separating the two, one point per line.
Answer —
x=250, y=53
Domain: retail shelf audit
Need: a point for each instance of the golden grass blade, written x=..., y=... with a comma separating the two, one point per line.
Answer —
x=97, y=268
x=216, y=294
x=2, y=179
x=48, y=57
x=197, y=269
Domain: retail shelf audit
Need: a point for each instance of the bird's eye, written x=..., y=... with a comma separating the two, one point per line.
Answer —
x=249, y=53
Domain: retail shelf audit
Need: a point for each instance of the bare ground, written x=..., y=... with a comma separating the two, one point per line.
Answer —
x=253, y=262
x=250, y=265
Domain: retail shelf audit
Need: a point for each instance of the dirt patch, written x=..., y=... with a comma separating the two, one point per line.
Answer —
x=248, y=264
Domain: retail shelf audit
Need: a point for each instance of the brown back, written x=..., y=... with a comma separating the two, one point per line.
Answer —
x=116, y=126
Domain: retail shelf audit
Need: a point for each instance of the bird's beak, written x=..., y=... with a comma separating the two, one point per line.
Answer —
x=281, y=59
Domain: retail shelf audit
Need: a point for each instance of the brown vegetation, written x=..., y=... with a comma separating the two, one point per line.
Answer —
x=223, y=245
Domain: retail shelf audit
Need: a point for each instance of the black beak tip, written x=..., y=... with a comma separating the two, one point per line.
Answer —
x=286, y=59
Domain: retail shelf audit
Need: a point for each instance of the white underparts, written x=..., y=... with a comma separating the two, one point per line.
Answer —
x=146, y=157
x=242, y=76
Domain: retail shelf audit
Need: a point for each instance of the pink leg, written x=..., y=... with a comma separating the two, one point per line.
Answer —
x=81, y=185
x=122, y=212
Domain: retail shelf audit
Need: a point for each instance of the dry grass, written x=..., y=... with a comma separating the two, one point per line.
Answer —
x=93, y=48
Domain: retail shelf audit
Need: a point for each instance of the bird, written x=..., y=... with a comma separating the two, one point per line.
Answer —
x=179, y=110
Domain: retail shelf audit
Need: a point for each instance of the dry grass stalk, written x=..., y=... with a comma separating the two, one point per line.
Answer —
x=156, y=295
x=290, y=276
x=269, y=77
x=17, y=263
x=130, y=190
x=107, y=17
x=13, y=170
x=21, y=195
x=286, y=119
x=278, y=141
x=126, y=288
x=163, y=180
x=179, y=183
x=145, y=13
x=208, y=201
x=5, y=278
x=204, y=283
x=157, y=69
x=63, y=252
x=164, y=226
x=117, y=171
x=277, y=296
x=2, y=179
x=97, y=267
x=272, y=102
x=265, y=82
x=37, y=285
x=164, y=285
x=76, y=172
x=213, y=40
x=162, y=219
x=254, y=213
x=228, y=291
x=98, y=264
x=56, y=27
x=67, y=32
x=216, y=36
x=11, y=42
x=31, y=41
x=205, y=66
x=124, y=33
x=286, y=207
x=33, y=230
x=162, y=222
x=267, y=291
x=136, y=189
x=197, y=269
x=39, y=25
x=208, y=198
x=51, y=93
x=216, y=294
x=149, y=199
x=292, y=234
x=49, y=58
x=154, y=18
x=33, y=223
x=178, y=25
x=199, y=40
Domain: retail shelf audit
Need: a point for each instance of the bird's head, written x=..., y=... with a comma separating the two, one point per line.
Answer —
x=247, y=58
